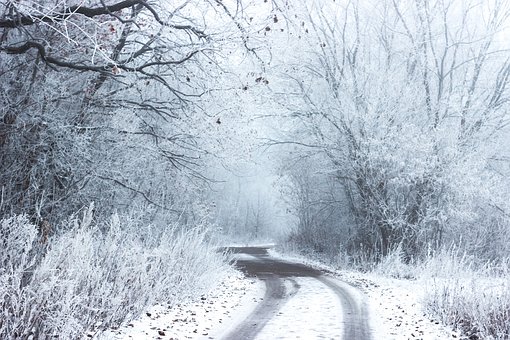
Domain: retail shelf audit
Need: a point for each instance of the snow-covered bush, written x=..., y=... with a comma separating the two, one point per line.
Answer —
x=477, y=306
x=95, y=276
x=17, y=259
x=473, y=299
x=395, y=265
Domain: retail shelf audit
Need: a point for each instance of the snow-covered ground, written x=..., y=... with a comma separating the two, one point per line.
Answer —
x=208, y=317
x=396, y=310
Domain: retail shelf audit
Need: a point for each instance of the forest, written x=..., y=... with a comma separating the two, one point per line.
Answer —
x=137, y=135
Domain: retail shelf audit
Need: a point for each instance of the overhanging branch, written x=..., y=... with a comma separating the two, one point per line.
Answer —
x=58, y=16
x=27, y=20
x=108, y=68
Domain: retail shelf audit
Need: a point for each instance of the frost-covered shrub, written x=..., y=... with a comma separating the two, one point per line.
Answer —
x=477, y=208
x=478, y=306
x=469, y=296
x=17, y=259
x=395, y=265
x=94, y=276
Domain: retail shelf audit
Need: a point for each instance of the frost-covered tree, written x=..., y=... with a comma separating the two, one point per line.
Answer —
x=111, y=101
x=121, y=103
x=406, y=99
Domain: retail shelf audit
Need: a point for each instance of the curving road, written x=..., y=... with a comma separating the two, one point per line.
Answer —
x=256, y=262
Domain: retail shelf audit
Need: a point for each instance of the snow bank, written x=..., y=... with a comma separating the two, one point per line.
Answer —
x=396, y=308
x=208, y=317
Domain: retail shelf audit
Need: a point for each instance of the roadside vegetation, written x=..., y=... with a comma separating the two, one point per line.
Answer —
x=460, y=290
x=471, y=296
x=97, y=276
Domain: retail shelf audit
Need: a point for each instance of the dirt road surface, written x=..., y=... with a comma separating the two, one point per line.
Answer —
x=281, y=278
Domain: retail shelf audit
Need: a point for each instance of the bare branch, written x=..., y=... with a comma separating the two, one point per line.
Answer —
x=144, y=195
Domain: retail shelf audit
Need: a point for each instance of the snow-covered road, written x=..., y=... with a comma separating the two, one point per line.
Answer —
x=280, y=299
x=299, y=303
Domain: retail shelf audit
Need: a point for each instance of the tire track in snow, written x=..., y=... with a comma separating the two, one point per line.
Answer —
x=274, y=298
x=274, y=273
x=354, y=312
